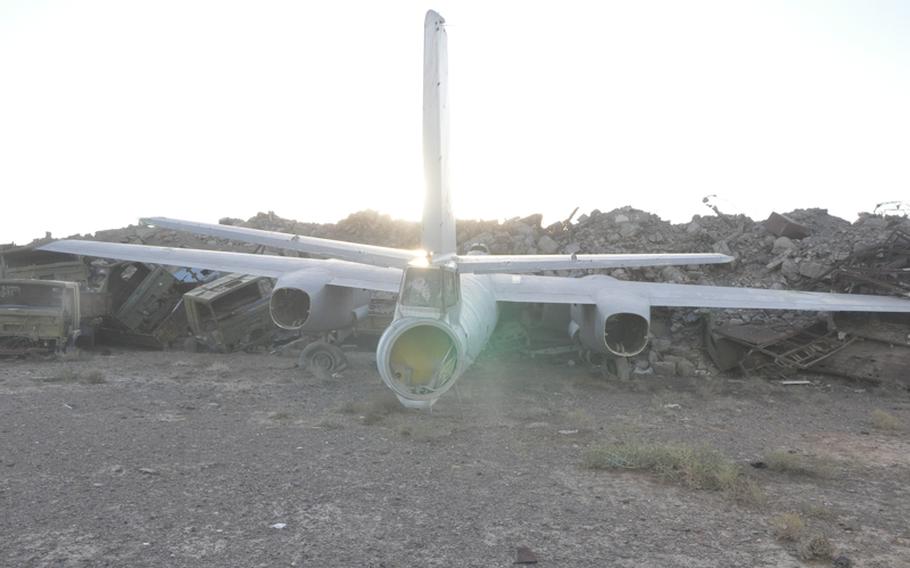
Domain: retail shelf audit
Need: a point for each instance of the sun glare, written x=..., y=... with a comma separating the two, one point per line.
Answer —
x=313, y=111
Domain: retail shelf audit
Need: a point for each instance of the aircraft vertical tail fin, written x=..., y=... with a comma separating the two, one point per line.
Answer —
x=438, y=220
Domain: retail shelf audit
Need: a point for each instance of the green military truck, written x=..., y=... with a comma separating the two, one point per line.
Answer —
x=38, y=316
x=146, y=309
x=231, y=313
x=27, y=262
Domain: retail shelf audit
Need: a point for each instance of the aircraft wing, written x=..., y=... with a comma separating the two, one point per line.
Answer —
x=354, y=252
x=523, y=263
x=550, y=289
x=344, y=274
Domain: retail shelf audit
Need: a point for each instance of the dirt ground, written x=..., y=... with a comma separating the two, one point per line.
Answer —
x=179, y=459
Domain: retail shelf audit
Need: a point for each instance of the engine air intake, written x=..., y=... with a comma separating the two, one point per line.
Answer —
x=289, y=307
x=626, y=334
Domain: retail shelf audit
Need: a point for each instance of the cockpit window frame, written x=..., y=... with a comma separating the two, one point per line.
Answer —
x=445, y=296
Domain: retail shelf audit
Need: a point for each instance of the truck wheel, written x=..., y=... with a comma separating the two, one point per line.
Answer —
x=320, y=356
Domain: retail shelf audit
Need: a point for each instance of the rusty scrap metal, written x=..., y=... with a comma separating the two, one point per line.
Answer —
x=762, y=348
x=857, y=348
x=881, y=268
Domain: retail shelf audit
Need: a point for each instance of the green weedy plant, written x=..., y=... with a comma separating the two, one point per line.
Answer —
x=693, y=467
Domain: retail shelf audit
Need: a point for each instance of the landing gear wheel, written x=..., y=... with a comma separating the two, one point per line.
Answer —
x=322, y=357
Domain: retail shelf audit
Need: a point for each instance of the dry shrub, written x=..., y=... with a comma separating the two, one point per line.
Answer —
x=70, y=375
x=783, y=461
x=788, y=526
x=820, y=512
x=695, y=468
x=885, y=421
x=815, y=547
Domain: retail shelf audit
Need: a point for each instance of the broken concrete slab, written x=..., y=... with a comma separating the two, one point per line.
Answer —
x=784, y=226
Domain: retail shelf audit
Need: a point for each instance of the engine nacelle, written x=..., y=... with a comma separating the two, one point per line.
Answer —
x=304, y=300
x=617, y=325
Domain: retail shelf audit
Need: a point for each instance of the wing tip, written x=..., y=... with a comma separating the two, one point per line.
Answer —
x=53, y=246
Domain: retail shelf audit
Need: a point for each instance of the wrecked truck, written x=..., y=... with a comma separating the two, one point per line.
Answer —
x=146, y=306
x=38, y=316
x=231, y=313
x=28, y=263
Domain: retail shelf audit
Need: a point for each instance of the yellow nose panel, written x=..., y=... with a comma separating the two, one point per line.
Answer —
x=417, y=354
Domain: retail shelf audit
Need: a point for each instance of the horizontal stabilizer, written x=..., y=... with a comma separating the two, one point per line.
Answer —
x=344, y=274
x=523, y=263
x=343, y=250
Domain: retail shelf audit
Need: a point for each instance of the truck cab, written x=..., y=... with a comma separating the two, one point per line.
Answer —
x=38, y=315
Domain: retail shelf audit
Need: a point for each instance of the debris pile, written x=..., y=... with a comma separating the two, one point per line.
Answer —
x=804, y=249
x=770, y=254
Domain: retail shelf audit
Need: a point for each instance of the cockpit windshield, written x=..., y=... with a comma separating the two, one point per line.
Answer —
x=429, y=287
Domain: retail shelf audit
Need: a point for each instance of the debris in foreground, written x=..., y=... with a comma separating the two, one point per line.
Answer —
x=525, y=555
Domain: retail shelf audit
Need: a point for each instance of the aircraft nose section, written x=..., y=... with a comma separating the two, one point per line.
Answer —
x=416, y=404
x=419, y=359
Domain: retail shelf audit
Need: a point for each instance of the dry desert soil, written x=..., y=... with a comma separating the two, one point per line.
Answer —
x=181, y=459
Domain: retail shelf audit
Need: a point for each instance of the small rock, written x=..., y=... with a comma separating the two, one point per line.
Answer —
x=685, y=368
x=811, y=269
x=546, y=245
x=571, y=248
x=789, y=268
x=842, y=561
x=672, y=274
x=278, y=525
x=782, y=244
x=525, y=555
x=723, y=248
x=627, y=230
x=661, y=344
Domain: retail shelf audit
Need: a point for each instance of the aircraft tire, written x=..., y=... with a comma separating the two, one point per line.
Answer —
x=320, y=356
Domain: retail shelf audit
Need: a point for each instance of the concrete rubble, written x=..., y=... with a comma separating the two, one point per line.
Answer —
x=802, y=249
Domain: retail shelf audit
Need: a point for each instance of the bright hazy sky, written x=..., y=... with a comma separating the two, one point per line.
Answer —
x=112, y=110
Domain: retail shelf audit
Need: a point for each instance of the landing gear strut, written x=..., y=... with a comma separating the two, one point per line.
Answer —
x=609, y=365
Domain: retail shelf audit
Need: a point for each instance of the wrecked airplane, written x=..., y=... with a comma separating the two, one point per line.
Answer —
x=448, y=304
